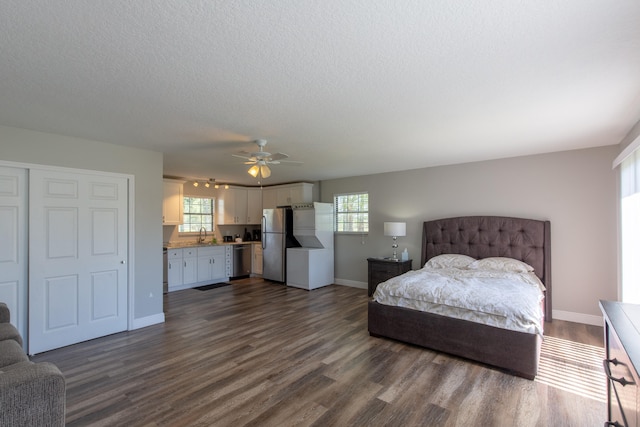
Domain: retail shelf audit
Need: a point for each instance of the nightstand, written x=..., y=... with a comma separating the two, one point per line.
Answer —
x=382, y=269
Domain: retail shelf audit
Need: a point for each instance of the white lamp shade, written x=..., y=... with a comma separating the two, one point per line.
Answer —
x=395, y=229
x=254, y=170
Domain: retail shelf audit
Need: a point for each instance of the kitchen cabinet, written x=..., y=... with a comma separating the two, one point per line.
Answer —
x=211, y=263
x=285, y=195
x=256, y=259
x=269, y=198
x=297, y=193
x=254, y=206
x=228, y=260
x=226, y=207
x=239, y=206
x=189, y=266
x=172, y=204
x=174, y=268
x=239, y=196
x=195, y=266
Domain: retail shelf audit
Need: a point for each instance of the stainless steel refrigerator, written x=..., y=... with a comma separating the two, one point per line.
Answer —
x=277, y=236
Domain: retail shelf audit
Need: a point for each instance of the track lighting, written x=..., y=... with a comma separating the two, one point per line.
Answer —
x=206, y=183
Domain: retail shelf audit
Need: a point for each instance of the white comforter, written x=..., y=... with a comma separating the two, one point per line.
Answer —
x=503, y=299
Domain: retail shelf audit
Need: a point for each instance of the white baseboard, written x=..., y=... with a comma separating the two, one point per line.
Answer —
x=569, y=316
x=351, y=283
x=147, y=321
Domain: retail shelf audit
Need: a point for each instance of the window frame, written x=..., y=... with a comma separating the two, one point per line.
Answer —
x=185, y=214
x=629, y=228
x=337, y=214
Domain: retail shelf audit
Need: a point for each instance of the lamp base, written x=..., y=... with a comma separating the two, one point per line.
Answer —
x=395, y=246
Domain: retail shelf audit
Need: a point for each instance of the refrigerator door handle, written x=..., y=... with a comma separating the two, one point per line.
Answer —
x=264, y=231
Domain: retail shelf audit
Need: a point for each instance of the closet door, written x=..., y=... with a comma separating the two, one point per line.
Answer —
x=13, y=249
x=77, y=257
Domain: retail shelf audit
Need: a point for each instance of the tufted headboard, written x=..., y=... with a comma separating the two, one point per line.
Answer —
x=527, y=240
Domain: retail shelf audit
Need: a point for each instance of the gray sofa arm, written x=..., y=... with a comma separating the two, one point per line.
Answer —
x=5, y=317
x=32, y=394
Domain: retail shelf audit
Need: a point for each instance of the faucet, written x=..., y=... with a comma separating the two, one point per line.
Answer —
x=201, y=239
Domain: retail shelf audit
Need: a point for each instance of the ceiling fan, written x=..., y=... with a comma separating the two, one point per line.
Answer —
x=262, y=159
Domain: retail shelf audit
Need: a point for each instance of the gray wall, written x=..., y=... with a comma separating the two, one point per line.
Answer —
x=17, y=145
x=575, y=190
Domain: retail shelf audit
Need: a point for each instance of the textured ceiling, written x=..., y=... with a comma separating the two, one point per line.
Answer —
x=348, y=87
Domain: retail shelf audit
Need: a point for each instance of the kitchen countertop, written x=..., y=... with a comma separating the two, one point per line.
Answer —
x=180, y=245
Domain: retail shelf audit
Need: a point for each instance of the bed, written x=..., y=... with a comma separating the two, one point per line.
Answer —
x=480, y=237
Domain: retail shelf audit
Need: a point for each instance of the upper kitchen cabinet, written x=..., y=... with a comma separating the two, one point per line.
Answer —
x=254, y=206
x=285, y=195
x=239, y=206
x=231, y=206
x=172, y=205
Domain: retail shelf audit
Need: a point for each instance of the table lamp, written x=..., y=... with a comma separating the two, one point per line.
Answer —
x=395, y=230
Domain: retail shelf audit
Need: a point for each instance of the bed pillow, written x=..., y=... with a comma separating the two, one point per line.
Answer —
x=501, y=264
x=449, y=261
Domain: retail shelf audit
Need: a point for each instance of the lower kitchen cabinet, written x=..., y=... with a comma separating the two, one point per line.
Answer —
x=196, y=266
x=256, y=259
x=174, y=268
x=211, y=263
x=228, y=260
x=189, y=266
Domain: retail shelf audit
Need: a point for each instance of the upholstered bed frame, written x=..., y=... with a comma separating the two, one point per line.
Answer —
x=480, y=237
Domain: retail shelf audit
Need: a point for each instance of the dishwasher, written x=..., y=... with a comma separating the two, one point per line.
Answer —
x=241, y=261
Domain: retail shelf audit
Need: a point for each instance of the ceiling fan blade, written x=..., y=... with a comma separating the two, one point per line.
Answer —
x=243, y=157
x=278, y=156
x=290, y=162
x=261, y=159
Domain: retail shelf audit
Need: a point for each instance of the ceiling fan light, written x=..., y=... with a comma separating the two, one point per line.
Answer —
x=254, y=170
x=265, y=171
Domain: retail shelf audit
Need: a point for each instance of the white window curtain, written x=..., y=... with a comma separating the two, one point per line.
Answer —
x=630, y=227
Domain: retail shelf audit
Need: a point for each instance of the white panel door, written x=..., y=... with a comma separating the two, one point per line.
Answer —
x=78, y=257
x=13, y=247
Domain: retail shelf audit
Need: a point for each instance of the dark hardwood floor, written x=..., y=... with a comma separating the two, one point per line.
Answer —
x=261, y=354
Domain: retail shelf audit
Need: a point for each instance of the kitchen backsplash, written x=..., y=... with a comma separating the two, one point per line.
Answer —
x=170, y=233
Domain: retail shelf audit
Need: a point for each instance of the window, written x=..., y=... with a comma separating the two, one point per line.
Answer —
x=352, y=212
x=630, y=227
x=198, y=213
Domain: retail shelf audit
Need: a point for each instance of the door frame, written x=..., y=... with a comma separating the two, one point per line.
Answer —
x=130, y=222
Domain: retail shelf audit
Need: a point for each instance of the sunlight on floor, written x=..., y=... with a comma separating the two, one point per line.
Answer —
x=573, y=367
